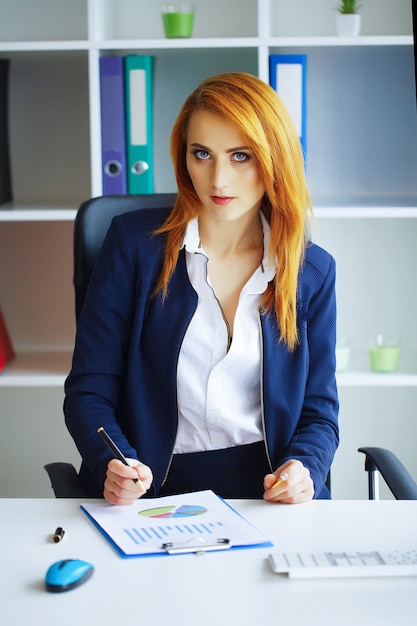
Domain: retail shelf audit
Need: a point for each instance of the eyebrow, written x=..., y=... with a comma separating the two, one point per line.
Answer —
x=228, y=151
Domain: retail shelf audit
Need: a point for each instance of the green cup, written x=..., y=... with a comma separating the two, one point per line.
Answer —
x=384, y=354
x=178, y=20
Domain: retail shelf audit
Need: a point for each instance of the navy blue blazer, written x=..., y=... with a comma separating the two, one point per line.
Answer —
x=123, y=374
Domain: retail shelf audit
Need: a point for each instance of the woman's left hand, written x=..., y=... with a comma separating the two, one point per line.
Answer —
x=290, y=484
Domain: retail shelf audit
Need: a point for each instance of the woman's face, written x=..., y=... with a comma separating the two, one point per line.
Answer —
x=222, y=168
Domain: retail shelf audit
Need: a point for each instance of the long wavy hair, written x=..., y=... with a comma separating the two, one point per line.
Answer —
x=262, y=119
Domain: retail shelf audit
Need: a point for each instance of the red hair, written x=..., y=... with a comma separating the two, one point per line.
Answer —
x=260, y=116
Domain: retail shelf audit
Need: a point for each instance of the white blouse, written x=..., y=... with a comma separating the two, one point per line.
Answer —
x=219, y=398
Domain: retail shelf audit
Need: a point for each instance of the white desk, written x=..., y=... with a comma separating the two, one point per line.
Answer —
x=233, y=588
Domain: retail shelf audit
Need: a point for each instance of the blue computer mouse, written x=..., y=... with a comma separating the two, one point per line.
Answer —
x=68, y=574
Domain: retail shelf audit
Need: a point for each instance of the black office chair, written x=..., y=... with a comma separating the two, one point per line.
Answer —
x=91, y=224
x=394, y=473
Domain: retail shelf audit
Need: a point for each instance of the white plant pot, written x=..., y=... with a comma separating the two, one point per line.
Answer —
x=348, y=25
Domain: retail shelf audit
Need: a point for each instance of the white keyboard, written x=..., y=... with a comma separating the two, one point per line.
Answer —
x=344, y=564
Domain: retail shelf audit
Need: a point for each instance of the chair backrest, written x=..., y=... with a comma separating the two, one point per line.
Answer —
x=91, y=224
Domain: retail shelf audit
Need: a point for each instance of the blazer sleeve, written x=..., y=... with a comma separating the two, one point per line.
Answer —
x=315, y=437
x=94, y=385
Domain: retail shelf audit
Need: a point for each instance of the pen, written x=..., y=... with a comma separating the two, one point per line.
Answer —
x=118, y=454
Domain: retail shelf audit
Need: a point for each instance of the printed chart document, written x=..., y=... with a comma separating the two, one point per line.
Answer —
x=188, y=520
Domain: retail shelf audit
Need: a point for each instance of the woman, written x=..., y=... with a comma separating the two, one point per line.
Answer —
x=205, y=347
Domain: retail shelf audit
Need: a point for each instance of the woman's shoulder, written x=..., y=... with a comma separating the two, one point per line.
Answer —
x=132, y=235
x=317, y=270
x=137, y=228
x=318, y=260
x=143, y=221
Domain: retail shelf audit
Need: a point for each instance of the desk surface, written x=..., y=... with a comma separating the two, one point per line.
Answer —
x=233, y=588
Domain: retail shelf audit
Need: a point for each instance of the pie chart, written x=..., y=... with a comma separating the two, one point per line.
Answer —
x=185, y=510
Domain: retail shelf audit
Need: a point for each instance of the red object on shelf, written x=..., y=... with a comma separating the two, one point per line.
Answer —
x=6, y=348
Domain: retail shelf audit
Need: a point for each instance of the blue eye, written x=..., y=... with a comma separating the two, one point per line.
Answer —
x=240, y=157
x=203, y=155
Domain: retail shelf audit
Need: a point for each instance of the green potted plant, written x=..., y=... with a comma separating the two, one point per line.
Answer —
x=348, y=20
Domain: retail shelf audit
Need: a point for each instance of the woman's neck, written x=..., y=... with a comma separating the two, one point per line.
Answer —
x=230, y=238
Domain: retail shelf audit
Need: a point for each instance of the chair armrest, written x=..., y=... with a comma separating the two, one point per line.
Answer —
x=396, y=476
x=64, y=480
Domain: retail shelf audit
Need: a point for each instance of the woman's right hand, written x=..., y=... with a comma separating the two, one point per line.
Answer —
x=119, y=487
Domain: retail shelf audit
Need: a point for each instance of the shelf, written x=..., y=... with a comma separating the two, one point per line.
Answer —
x=178, y=44
x=37, y=369
x=129, y=44
x=359, y=374
x=49, y=369
x=370, y=379
x=43, y=46
x=363, y=211
x=39, y=213
x=316, y=41
x=251, y=42
x=205, y=42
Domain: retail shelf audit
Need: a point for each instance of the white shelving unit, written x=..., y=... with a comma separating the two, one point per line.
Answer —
x=361, y=166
